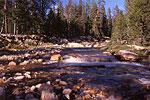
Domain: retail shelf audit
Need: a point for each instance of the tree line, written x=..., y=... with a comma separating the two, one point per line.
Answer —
x=88, y=18
x=133, y=25
x=42, y=17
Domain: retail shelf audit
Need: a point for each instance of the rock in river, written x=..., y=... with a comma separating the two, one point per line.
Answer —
x=127, y=55
x=56, y=57
x=24, y=63
x=73, y=45
x=12, y=63
x=18, y=77
x=46, y=95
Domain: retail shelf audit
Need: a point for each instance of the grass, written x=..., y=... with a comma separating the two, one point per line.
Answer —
x=116, y=47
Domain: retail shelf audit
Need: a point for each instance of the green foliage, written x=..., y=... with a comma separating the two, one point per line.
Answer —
x=134, y=25
x=109, y=23
x=139, y=19
x=41, y=17
x=119, y=29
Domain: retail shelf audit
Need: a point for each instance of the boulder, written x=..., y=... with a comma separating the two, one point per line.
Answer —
x=27, y=75
x=127, y=55
x=56, y=57
x=18, y=77
x=75, y=45
x=12, y=63
x=67, y=92
x=46, y=95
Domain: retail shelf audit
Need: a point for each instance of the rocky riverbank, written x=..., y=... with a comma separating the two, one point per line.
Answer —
x=73, y=71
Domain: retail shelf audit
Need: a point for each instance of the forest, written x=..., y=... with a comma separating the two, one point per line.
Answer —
x=88, y=18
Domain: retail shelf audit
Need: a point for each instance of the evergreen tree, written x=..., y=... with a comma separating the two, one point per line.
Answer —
x=93, y=15
x=61, y=10
x=103, y=22
x=109, y=23
x=80, y=8
x=119, y=29
x=88, y=20
x=1, y=16
x=139, y=20
x=116, y=11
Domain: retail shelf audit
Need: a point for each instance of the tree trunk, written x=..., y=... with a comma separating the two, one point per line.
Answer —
x=6, y=25
x=14, y=28
x=2, y=27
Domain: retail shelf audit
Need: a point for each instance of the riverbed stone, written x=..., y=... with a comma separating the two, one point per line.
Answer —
x=32, y=88
x=18, y=77
x=67, y=92
x=27, y=75
x=40, y=60
x=56, y=57
x=74, y=45
x=127, y=55
x=18, y=74
x=45, y=87
x=12, y=63
x=25, y=63
x=46, y=95
x=63, y=83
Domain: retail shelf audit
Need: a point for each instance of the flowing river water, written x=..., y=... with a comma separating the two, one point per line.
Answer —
x=121, y=80
x=101, y=68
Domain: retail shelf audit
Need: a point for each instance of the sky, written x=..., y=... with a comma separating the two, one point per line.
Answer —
x=108, y=3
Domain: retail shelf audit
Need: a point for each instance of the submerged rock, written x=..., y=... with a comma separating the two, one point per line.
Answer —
x=2, y=93
x=29, y=96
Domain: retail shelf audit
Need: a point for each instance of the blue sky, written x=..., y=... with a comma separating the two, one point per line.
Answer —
x=109, y=3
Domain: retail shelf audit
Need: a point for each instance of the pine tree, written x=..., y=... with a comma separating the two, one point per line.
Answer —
x=139, y=19
x=119, y=29
x=116, y=11
x=109, y=23
x=1, y=16
x=61, y=10
x=103, y=21
x=93, y=15
x=5, y=16
x=88, y=20
x=94, y=10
